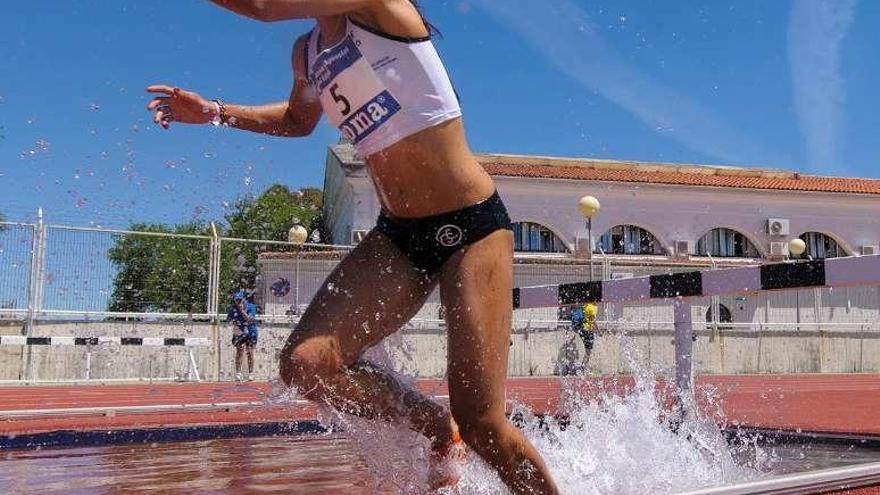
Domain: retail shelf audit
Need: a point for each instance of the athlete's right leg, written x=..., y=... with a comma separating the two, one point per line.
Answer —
x=369, y=295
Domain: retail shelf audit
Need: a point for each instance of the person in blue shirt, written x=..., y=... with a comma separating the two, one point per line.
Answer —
x=577, y=319
x=243, y=315
x=583, y=323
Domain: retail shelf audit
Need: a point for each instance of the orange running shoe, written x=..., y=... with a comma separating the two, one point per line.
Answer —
x=446, y=463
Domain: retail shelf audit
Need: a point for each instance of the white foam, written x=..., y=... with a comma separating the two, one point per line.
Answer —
x=612, y=445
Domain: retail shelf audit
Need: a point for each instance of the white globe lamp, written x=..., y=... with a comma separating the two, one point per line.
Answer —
x=297, y=234
x=797, y=247
x=588, y=206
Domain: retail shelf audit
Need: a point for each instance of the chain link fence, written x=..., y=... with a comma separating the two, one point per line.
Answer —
x=281, y=277
x=16, y=259
x=114, y=273
x=61, y=279
x=73, y=272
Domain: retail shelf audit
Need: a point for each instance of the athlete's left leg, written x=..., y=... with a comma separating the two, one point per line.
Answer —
x=476, y=288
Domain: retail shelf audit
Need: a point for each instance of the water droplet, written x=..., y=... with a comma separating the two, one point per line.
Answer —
x=40, y=146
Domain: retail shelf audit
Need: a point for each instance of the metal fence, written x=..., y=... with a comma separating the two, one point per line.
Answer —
x=68, y=272
x=60, y=280
x=65, y=272
x=16, y=259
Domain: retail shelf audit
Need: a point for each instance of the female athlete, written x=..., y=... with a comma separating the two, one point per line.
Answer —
x=371, y=68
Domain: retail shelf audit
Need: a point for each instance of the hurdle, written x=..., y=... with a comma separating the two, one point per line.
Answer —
x=681, y=288
x=192, y=373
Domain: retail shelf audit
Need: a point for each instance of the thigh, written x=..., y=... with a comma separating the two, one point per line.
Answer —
x=371, y=293
x=476, y=288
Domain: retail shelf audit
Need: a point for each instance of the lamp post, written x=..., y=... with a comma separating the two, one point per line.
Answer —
x=588, y=207
x=297, y=235
x=797, y=247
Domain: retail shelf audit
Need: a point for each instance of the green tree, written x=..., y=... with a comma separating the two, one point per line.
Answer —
x=269, y=217
x=161, y=274
x=170, y=274
x=271, y=214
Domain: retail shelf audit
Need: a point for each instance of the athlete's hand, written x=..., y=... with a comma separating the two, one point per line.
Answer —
x=178, y=105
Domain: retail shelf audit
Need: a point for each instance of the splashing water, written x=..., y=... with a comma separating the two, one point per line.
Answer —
x=608, y=444
x=621, y=445
x=614, y=444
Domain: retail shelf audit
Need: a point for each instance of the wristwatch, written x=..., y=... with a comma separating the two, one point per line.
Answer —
x=220, y=118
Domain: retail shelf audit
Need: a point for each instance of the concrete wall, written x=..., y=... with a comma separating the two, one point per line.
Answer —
x=421, y=350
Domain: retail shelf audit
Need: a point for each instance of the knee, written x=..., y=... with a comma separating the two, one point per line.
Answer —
x=480, y=429
x=306, y=365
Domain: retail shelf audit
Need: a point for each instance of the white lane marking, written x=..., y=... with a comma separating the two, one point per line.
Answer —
x=144, y=408
x=152, y=408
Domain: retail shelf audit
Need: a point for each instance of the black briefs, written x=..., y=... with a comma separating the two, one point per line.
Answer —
x=429, y=241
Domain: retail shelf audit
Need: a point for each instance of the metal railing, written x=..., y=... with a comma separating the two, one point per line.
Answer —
x=847, y=479
x=82, y=273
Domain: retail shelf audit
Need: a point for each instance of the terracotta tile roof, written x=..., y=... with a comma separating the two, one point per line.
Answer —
x=656, y=173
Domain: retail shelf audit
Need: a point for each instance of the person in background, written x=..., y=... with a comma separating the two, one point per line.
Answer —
x=583, y=323
x=243, y=315
x=587, y=330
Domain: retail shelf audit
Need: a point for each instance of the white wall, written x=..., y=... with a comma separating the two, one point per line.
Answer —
x=671, y=212
x=687, y=213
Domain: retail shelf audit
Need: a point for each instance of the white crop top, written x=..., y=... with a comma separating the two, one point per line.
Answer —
x=378, y=88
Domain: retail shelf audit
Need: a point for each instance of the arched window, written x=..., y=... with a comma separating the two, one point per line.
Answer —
x=726, y=243
x=820, y=246
x=629, y=239
x=724, y=315
x=535, y=238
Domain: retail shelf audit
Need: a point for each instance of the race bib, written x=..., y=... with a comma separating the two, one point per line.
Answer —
x=353, y=97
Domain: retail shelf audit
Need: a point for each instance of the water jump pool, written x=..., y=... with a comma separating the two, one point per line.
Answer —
x=314, y=464
x=227, y=438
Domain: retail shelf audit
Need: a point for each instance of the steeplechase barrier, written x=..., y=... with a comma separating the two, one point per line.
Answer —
x=192, y=372
x=681, y=287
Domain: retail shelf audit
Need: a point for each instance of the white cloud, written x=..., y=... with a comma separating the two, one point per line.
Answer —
x=565, y=36
x=816, y=30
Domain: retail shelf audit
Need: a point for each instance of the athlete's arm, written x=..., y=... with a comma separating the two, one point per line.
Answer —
x=279, y=10
x=295, y=117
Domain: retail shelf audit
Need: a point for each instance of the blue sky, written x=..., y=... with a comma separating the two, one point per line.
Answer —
x=777, y=84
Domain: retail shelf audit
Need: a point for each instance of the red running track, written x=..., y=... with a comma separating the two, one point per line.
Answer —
x=828, y=403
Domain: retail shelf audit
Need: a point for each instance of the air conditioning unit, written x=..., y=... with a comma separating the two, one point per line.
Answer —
x=778, y=249
x=682, y=249
x=357, y=236
x=778, y=226
x=869, y=250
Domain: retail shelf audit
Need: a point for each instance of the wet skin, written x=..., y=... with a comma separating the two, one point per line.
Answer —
x=428, y=173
